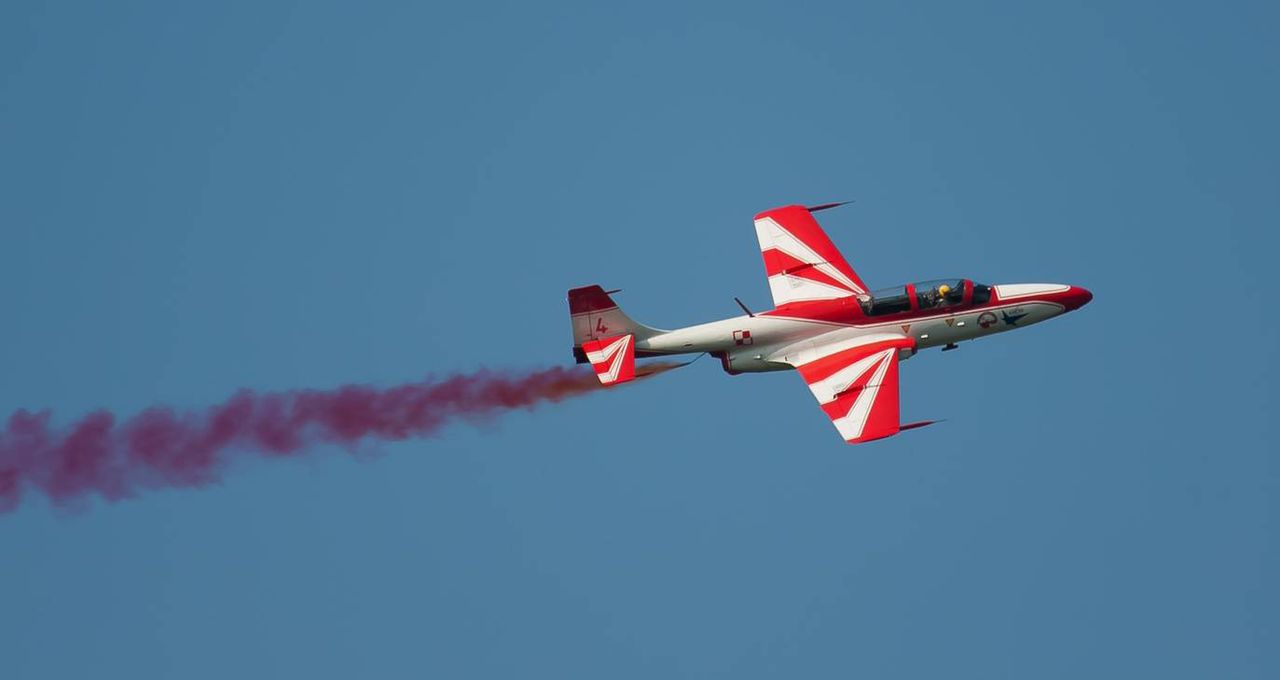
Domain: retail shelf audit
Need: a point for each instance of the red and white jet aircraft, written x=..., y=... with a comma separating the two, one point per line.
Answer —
x=845, y=340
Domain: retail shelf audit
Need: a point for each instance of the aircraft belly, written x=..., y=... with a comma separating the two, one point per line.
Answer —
x=754, y=360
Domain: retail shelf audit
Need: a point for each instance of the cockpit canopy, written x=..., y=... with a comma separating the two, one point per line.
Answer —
x=939, y=293
x=923, y=296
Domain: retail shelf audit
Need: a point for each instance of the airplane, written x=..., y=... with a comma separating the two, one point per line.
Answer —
x=844, y=339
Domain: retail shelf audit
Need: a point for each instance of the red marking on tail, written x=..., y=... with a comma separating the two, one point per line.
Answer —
x=589, y=299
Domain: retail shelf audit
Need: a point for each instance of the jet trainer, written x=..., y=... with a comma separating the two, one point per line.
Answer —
x=844, y=339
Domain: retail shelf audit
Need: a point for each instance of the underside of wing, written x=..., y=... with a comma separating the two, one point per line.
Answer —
x=802, y=263
x=857, y=388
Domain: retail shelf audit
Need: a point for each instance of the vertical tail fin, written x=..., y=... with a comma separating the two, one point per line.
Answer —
x=595, y=316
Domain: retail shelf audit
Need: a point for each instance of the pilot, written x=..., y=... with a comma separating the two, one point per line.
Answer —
x=943, y=289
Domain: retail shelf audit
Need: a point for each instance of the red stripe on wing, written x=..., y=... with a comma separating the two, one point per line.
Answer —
x=778, y=263
x=797, y=220
x=867, y=407
x=823, y=368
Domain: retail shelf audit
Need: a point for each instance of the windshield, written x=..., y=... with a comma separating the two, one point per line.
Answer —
x=981, y=294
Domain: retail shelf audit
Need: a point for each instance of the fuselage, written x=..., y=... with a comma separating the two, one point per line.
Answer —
x=779, y=338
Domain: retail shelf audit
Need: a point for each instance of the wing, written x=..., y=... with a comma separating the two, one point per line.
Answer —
x=801, y=262
x=857, y=387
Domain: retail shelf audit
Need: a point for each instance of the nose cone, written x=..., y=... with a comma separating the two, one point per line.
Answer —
x=1076, y=297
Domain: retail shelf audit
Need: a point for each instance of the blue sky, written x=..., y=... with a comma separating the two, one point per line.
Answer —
x=206, y=196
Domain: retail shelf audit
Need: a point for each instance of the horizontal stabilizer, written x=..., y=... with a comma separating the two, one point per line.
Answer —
x=614, y=359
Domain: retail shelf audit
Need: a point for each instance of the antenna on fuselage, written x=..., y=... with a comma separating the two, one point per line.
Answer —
x=744, y=307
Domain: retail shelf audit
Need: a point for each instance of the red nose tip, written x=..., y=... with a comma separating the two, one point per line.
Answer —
x=1077, y=297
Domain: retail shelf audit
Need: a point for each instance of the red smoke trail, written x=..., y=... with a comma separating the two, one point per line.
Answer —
x=161, y=448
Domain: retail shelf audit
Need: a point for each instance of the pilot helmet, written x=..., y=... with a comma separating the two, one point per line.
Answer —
x=944, y=289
